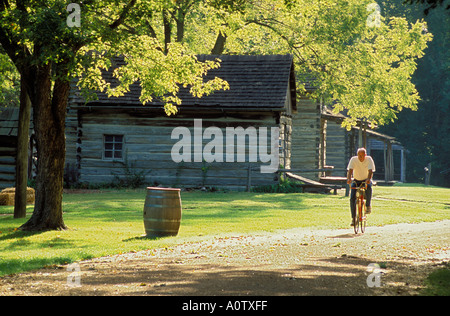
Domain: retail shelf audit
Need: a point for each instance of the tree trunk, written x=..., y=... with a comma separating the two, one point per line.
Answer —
x=49, y=122
x=20, y=197
x=181, y=15
x=167, y=31
x=219, y=45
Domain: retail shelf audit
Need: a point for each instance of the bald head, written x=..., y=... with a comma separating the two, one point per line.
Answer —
x=362, y=154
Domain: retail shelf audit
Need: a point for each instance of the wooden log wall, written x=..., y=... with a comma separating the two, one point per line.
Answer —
x=306, y=138
x=285, y=141
x=148, y=145
x=8, y=148
x=337, y=150
x=71, y=136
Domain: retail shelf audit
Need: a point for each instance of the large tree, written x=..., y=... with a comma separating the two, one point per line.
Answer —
x=48, y=52
x=355, y=56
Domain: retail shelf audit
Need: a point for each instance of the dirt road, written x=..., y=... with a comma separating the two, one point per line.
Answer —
x=291, y=262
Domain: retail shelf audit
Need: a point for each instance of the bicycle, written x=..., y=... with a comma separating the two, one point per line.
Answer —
x=360, y=219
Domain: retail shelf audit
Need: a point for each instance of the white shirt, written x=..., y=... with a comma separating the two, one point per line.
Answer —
x=361, y=169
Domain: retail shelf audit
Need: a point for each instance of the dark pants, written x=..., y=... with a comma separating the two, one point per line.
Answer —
x=368, y=196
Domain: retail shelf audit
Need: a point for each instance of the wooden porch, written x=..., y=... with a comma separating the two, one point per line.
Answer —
x=338, y=145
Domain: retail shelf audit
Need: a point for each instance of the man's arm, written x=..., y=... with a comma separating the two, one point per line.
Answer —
x=369, y=177
x=349, y=176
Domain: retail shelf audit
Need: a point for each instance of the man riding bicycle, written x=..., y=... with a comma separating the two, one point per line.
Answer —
x=361, y=167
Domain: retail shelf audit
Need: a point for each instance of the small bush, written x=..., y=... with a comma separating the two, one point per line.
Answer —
x=285, y=186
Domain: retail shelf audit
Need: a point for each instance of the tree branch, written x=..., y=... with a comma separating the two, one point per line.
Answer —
x=123, y=15
x=4, y=5
x=270, y=27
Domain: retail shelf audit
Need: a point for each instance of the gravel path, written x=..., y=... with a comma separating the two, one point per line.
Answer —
x=291, y=262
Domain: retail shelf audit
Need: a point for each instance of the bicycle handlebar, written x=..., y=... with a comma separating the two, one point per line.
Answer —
x=362, y=185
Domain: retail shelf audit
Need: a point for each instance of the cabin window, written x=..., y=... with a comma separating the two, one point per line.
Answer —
x=113, y=147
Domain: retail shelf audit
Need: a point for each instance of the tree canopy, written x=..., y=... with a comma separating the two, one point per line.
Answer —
x=426, y=132
x=359, y=59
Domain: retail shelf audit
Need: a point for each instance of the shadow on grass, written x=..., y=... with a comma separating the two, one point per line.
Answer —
x=56, y=242
x=195, y=205
x=438, y=282
x=144, y=238
x=348, y=236
x=12, y=266
x=18, y=234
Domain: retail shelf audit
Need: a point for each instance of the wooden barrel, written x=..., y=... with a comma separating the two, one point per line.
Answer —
x=162, y=212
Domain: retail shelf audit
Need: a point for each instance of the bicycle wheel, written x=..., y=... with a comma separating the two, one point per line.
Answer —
x=356, y=219
x=358, y=216
x=363, y=218
x=356, y=224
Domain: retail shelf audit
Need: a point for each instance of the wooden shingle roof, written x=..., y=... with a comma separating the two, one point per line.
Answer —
x=256, y=82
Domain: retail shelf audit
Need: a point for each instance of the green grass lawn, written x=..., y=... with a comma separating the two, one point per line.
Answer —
x=438, y=282
x=111, y=222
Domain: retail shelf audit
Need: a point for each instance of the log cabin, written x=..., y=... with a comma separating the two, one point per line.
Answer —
x=120, y=137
